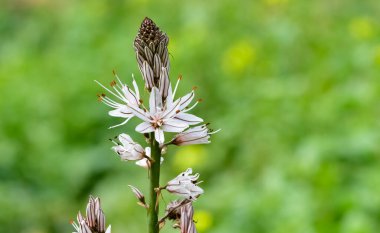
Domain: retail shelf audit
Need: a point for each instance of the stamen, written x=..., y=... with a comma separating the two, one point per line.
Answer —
x=194, y=88
x=109, y=90
x=122, y=96
x=122, y=123
x=110, y=102
x=118, y=79
x=176, y=85
x=177, y=111
x=114, y=142
x=188, y=109
x=214, y=132
x=100, y=99
x=113, y=83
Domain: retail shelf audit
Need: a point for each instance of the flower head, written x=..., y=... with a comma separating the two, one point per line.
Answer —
x=128, y=149
x=94, y=222
x=169, y=118
x=185, y=185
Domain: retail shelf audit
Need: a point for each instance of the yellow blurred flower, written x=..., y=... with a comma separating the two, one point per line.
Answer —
x=361, y=28
x=376, y=57
x=189, y=156
x=203, y=220
x=238, y=58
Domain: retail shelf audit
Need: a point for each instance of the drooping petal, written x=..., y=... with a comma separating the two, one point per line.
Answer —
x=173, y=125
x=155, y=101
x=187, y=118
x=144, y=127
x=159, y=135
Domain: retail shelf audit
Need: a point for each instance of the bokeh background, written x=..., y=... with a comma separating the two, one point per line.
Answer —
x=293, y=84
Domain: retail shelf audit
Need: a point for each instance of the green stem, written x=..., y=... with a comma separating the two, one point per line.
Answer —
x=154, y=183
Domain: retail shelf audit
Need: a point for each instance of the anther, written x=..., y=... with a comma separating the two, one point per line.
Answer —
x=177, y=111
x=194, y=88
x=199, y=100
x=113, y=83
x=180, y=77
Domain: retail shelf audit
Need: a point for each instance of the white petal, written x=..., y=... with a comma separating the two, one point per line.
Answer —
x=139, y=113
x=204, y=140
x=186, y=100
x=131, y=97
x=159, y=135
x=169, y=99
x=147, y=151
x=143, y=163
x=155, y=101
x=187, y=118
x=137, y=92
x=171, y=110
x=172, y=125
x=123, y=112
x=125, y=139
x=144, y=127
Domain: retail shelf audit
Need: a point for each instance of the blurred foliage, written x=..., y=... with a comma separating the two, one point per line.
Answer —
x=293, y=84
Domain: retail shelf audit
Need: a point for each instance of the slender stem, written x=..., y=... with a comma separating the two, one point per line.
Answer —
x=154, y=183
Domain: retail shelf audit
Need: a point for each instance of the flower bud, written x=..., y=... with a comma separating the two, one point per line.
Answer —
x=152, y=55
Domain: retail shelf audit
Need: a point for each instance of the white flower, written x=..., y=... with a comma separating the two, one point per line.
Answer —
x=94, y=220
x=129, y=150
x=169, y=118
x=125, y=95
x=185, y=185
x=196, y=135
x=145, y=163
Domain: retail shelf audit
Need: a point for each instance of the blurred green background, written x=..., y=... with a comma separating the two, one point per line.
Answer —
x=293, y=84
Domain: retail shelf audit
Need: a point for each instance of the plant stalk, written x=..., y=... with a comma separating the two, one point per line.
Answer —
x=154, y=183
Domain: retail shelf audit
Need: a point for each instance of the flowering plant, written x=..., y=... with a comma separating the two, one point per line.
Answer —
x=165, y=113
